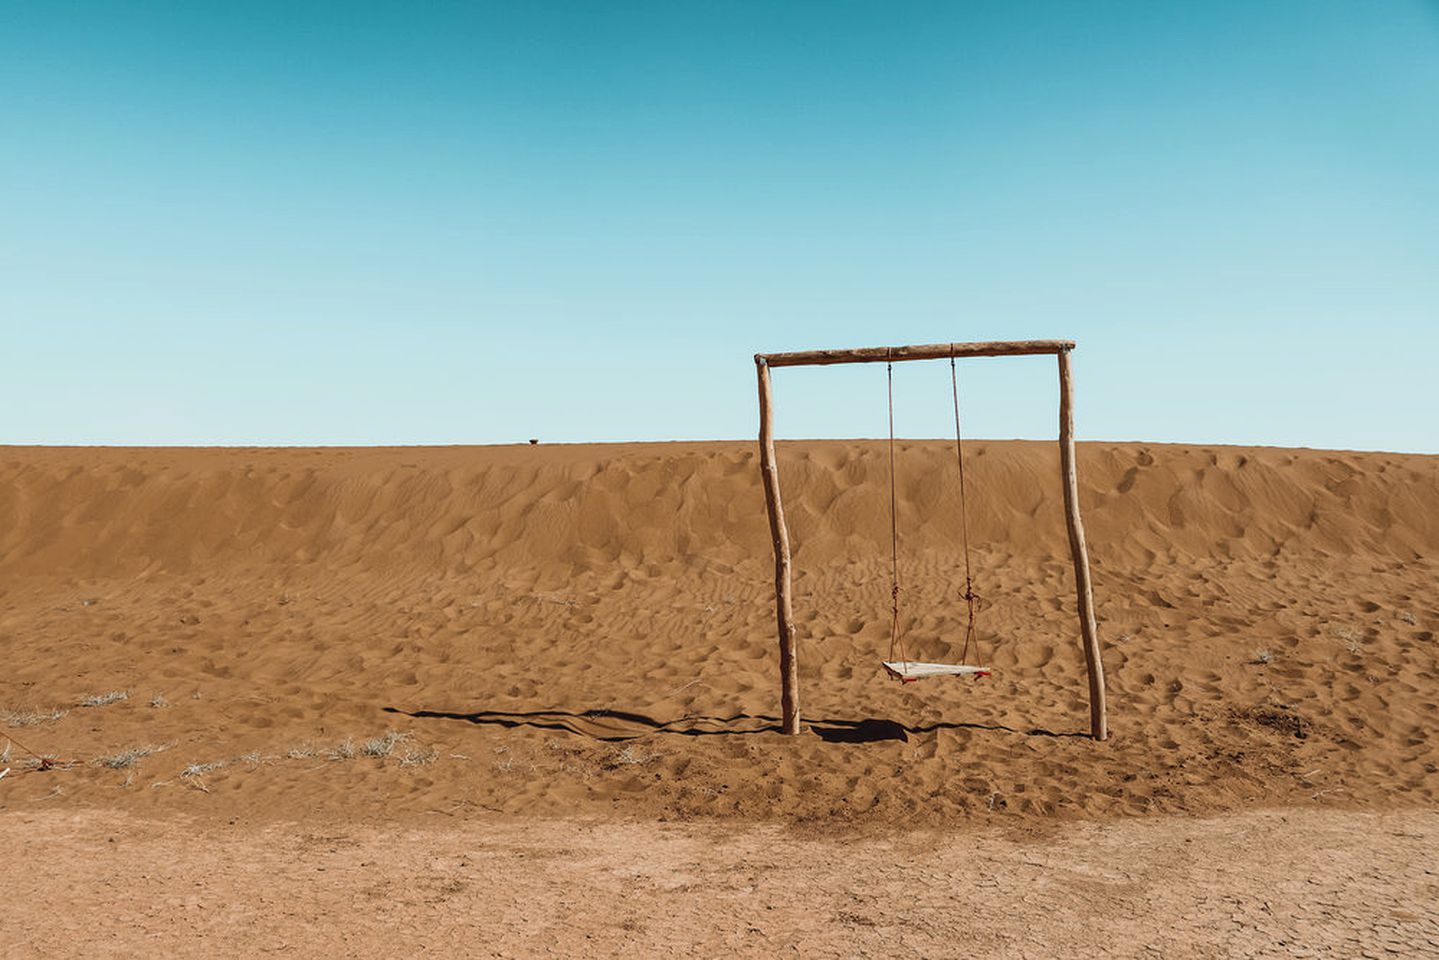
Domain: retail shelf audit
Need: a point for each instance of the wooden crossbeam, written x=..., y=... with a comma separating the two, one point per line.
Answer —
x=925, y=351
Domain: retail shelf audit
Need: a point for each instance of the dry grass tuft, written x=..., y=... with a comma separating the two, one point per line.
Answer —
x=417, y=758
x=627, y=756
x=378, y=747
x=383, y=746
x=102, y=699
x=128, y=757
x=200, y=769
x=194, y=774
x=30, y=718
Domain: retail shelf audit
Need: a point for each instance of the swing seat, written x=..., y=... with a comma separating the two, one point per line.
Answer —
x=909, y=671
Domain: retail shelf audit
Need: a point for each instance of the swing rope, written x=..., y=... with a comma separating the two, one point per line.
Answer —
x=895, y=640
x=970, y=598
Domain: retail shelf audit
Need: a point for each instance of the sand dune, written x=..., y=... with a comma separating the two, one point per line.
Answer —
x=589, y=629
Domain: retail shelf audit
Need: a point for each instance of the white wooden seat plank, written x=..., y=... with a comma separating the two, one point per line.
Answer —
x=911, y=670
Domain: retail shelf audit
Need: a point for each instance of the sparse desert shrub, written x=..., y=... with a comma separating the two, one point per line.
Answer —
x=382, y=746
x=102, y=699
x=127, y=758
x=416, y=758
x=30, y=718
x=344, y=750
x=200, y=769
x=627, y=756
x=194, y=775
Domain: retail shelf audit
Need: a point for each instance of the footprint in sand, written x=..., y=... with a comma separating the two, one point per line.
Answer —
x=1037, y=656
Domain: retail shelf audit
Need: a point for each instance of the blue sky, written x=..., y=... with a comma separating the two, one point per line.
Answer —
x=451, y=223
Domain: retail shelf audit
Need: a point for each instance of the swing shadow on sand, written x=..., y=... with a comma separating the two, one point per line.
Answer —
x=614, y=726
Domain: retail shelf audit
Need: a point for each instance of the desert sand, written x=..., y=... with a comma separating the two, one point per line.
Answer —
x=507, y=639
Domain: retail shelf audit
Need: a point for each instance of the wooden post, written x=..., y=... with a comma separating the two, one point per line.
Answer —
x=779, y=536
x=1098, y=715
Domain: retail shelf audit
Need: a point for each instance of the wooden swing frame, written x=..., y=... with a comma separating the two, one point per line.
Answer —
x=779, y=532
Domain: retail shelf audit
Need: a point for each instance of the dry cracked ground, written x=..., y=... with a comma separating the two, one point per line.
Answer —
x=1319, y=883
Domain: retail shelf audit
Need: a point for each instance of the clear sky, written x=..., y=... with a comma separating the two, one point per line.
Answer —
x=241, y=223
